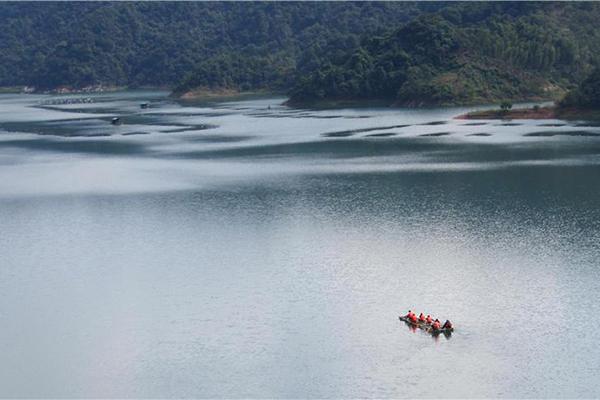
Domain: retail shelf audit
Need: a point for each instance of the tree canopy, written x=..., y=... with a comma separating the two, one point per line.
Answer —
x=413, y=53
x=50, y=44
x=587, y=94
x=464, y=53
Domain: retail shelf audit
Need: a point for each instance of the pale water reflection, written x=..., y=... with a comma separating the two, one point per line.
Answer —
x=261, y=257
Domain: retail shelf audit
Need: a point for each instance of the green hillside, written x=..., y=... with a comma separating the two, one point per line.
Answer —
x=318, y=52
x=464, y=53
x=235, y=44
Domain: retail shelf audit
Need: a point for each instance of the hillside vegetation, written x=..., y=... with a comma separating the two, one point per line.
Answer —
x=586, y=95
x=411, y=53
x=464, y=53
x=215, y=44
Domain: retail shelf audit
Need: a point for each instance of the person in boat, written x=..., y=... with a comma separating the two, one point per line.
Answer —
x=421, y=318
x=447, y=325
x=436, y=325
x=429, y=320
x=408, y=314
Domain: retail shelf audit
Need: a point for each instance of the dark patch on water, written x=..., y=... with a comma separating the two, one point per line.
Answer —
x=305, y=115
x=552, y=125
x=346, y=148
x=476, y=124
x=382, y=134
x=64, y=128
x=135, y=133
x=92, y=127
x=188, y=128
x=319, y=116
x=480, y=134
x=85, y=110
x=177, y=130
x=218, y=138
x=184, y=114
x=165, y=122
x=268, y=115
x=351, y=132
x=105, y=147
x=590, y=124
x=339, y=134
x=435, y=123
x=509, y=124
x=437, y=134
x=562, y=133
x=92, y=135
x=234, y=108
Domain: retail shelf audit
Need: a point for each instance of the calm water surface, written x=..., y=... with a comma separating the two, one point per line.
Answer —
x=244, y=249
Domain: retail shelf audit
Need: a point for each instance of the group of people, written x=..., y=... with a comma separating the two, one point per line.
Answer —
x=435, y=323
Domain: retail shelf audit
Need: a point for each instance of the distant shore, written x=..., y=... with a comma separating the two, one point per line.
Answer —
x=548, y=112
x=338, y=103
x=204, y=94
x=392, y=103
x=11, y=89
x=74, y=90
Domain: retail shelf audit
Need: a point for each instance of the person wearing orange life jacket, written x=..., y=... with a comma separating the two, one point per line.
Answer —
x=429, y=320
x=413, y=318
x=436, y=325
x=408, y=314
x=447, y=325
x=421, y=318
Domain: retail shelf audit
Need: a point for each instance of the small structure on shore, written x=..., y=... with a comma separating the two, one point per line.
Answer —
x=116, y=121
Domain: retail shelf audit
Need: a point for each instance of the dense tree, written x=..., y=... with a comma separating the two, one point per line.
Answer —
x=587, y=94
x=241, y=44
x=404, y=53
x=464, y=53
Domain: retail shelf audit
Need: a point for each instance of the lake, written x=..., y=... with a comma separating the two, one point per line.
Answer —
x=246, y=249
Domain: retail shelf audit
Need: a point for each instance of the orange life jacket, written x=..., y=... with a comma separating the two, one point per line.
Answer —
x=436, y=325
x=428, y=319
x=413, y=318
x=422, y=318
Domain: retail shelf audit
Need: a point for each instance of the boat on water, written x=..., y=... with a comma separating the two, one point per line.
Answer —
x=445, y=331
x=427, y=327
x=418, y=323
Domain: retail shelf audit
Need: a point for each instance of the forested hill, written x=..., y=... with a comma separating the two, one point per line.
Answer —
x=463, y=53
x=243, y=45
x=401, y=53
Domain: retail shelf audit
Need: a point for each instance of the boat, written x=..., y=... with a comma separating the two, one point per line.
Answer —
x=445, y=331
x=427, y=327
x=420, y=324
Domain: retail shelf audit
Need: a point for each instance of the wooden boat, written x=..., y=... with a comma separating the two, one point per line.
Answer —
x=427, y=327
x=445, y=331
x=420, y=324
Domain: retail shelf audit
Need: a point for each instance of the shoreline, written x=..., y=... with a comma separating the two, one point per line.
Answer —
x=391, y=103
x=211, y=95
x=547, y=112
x=71, y=90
